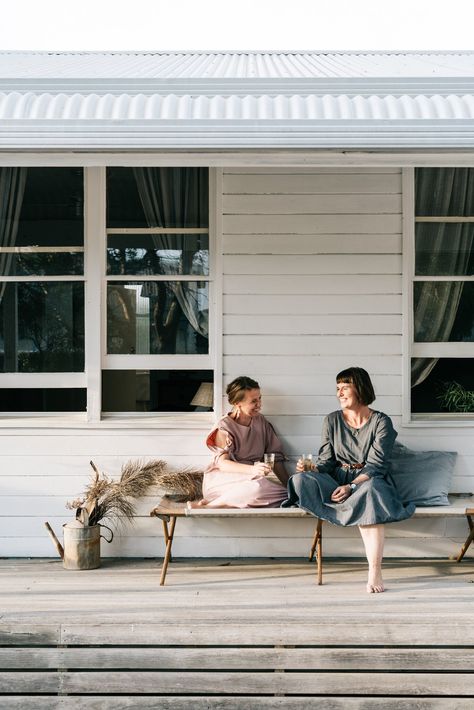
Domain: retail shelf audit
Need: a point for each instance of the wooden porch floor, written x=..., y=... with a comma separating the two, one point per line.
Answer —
x=240, y=634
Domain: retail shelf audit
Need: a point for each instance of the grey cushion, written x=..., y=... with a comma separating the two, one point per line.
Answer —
x=422, y=477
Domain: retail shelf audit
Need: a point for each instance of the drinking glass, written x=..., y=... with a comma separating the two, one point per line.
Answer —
x=307, y=460
x=269, y=459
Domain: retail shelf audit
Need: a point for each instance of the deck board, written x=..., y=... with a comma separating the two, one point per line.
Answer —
x=121, y=702
x=236, y=634
x=238, y=683
x=241, y=658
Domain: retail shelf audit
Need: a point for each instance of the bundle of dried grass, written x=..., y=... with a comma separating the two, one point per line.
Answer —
x=181, y=484
x=111, y=500
x=137, y=477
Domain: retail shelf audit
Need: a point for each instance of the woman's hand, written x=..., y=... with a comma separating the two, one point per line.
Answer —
x=341, y=493
x=261, y=469
x=300, y=466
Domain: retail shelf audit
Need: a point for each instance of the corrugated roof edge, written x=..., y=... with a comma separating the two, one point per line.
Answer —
x=165, y=52
x=206, y=135
x=238, y=86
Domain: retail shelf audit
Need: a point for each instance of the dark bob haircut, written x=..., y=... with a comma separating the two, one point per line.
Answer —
x=360, y=378
x=237, y=388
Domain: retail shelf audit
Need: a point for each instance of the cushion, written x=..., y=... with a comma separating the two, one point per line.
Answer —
x=422, y=477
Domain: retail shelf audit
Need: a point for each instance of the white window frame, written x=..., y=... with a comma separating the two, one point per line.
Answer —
x=48, y=380
x=410, y=348
x=95, y=355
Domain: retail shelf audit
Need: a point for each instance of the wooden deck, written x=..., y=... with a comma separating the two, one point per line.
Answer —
x=244, y=634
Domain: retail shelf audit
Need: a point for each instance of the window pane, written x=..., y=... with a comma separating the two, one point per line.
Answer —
x=445, y=385
x=444, y=311
x=157, y=317
x=158, y=254
x=444, y=249
x=43, y=400
x=41, y=208
x=43, y=264
x=157, y=197
x=444, y=192
x=41, y=327
x=155, y=391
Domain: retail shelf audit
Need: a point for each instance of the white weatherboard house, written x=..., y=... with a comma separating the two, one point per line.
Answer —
x=171, y=219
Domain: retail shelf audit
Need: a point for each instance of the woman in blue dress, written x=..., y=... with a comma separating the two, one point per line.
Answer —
x=349, y=484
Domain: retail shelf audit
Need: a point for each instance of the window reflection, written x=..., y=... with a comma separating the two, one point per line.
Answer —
x=172, y=254
x=157, y=317
x=444, y=249
x=42, y=327
x=151, y=390
x=444, y=311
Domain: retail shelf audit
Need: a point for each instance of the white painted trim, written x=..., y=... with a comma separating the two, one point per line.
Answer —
x=452, y=350
x=443, y=278
x=133, y=278
x=442, y=220
x=41, y=250
x=157, y=362
x=215, y=225
x=61, y=422
x=408, y=241
x=40, y=278
x=243, y=157
x=94, y=239
x=54, y=380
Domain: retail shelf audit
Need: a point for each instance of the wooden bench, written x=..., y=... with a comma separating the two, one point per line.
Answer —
x=459, y=507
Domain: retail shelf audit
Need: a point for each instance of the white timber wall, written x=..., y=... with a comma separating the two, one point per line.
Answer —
x=43, y=469
x=312, y=283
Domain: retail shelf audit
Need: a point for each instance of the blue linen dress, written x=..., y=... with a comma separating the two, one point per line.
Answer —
x=374, y=501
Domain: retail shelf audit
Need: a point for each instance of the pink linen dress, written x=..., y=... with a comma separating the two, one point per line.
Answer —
x=245, y=444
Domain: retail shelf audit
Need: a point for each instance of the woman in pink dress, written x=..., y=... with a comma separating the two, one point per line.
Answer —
x=237, y=476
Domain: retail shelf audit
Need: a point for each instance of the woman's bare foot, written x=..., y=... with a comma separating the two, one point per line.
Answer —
x=375, y=582
x=196, y=503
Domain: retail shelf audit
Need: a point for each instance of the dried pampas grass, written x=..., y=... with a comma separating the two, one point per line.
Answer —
x=112, y=500
x=137, y=477
x=181, y=484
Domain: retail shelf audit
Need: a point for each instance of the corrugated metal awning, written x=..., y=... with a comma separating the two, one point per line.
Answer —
x=236, y=100
x=239, y=64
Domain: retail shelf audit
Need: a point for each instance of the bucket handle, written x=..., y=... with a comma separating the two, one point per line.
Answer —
x=110, y=531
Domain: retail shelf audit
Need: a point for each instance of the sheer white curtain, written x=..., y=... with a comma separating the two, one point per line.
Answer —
x=447, y=247
x=12, y=189
x=178, y=197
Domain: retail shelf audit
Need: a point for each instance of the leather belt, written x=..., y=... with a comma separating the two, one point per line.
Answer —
x=350, y=465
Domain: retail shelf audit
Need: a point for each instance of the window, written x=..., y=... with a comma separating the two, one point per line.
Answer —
x=442, y=283
x=41, y=290
x=157, y=288
x=129, y=295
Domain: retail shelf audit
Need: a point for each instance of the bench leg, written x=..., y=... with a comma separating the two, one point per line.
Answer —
x=317, y=547
x=469, y=539
x=168, y=535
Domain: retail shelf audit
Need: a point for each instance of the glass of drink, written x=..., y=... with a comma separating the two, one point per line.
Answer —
x=307, y=460
x=269, y=459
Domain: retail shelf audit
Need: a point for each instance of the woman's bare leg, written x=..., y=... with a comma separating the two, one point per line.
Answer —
x=373, y=538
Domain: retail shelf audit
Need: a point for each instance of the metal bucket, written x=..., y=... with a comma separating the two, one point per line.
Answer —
x=82, y=545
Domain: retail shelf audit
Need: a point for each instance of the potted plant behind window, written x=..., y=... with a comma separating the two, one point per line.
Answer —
x=455, y=398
